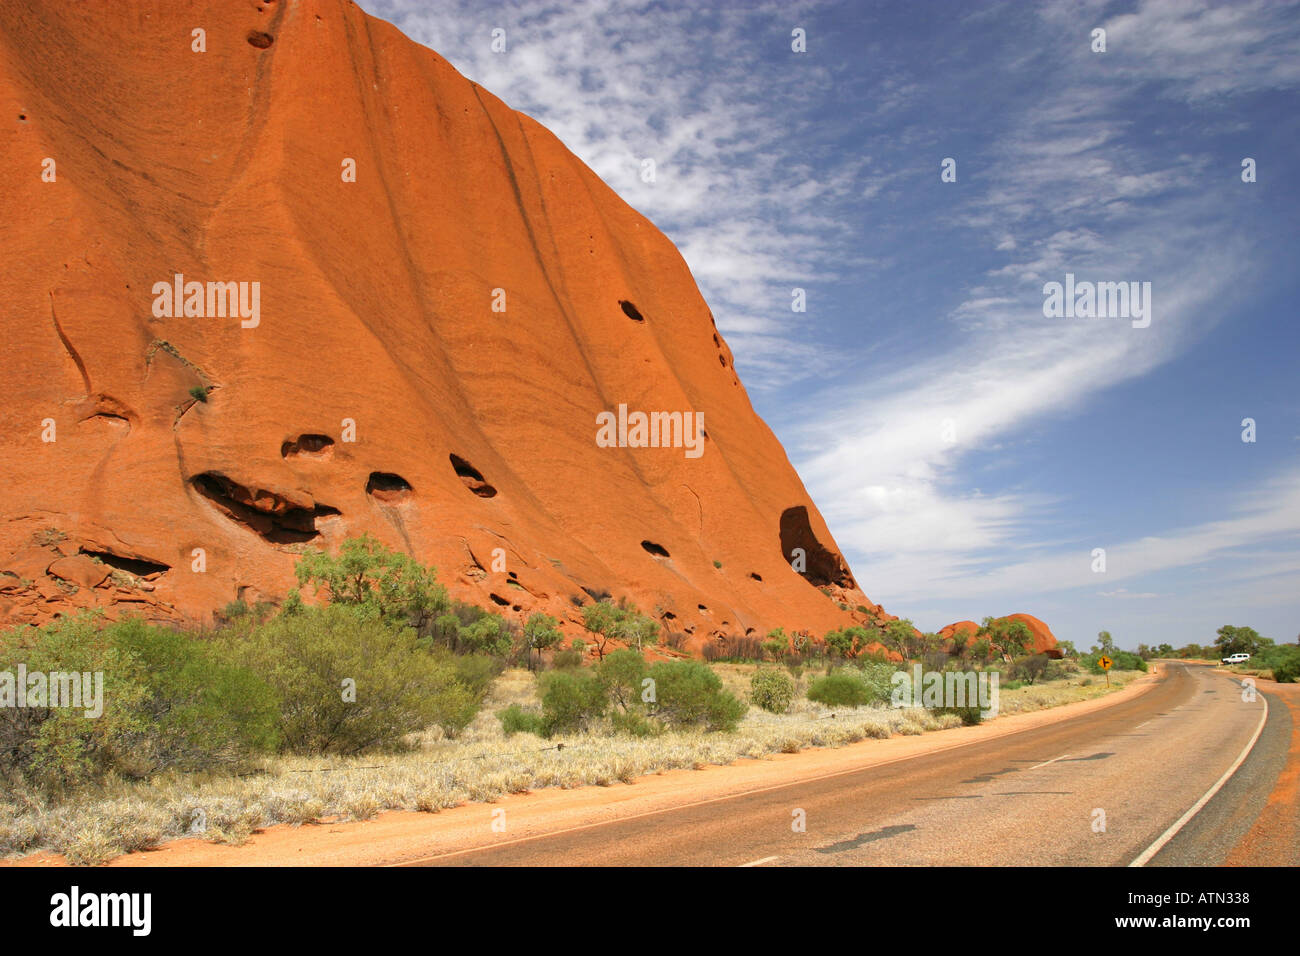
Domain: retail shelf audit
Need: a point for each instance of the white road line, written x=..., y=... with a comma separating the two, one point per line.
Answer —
x=1182, y=821
x=766, y=859
x=1046, y=762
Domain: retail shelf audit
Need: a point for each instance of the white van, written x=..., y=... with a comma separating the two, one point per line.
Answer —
x=1236, y=658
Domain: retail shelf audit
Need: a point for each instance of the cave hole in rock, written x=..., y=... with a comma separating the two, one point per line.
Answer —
x=472, y=478
x=136, y=567
x=259, y=39
x=824, y=566
x=756, y=576
x=658, y=550
x=631, y=311
x=308, y=446
x=498, y=599
x=386, y=487
x=267, y=514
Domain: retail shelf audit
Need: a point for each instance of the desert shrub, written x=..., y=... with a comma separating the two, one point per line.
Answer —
x=490, y=634
x=970, y=716
x=1122, y=661
x=878, y=675
x=771, y=690
x=540, y=632
x=1031, y=668
x=634, y=724
x=367, y=573
x=348, y=682
x=1282, y=659
x=169, y=701
x=621, y=674
x=514, y=720
x=841, y=688
x=566, y=659
x=689, y=692
x=675, y=639
x=571, y=700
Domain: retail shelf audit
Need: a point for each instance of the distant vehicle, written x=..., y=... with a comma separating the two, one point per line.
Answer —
x=1236, y=658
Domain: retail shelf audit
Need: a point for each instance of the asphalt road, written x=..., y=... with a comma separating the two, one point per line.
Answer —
x=1099, y=789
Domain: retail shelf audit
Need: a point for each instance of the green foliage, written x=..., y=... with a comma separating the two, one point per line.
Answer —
x=398, y=686
x=567, y=659
x=689, y=692
x=621, y=674
x=199, y=393
x=571, y=700
x=170, y=701
x=878, y=678
x=540, y=632
x=515, y=720
x=366, y=573
x=1282, y=659
x=1239, y=640
x=490, y=634
x=607, y=621
x=841, y=688
x=901, y=636
x=1007, y=637
x=970, y=716
x=1288, y=672
x=771, y=690
x=1030, y=669
x=1121, y=661
x=634, y=724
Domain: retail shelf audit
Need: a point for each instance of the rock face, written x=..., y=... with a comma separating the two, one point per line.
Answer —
x=432, y=302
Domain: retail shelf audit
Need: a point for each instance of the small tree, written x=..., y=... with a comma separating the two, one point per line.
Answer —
x=540, y=632
x=602, y=620
x=901, y=636
x=364, y=572
x=621, y=674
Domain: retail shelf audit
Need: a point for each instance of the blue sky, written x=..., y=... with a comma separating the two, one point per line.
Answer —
x=967, y=452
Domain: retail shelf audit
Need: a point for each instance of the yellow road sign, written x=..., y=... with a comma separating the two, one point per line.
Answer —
x=1104, y=662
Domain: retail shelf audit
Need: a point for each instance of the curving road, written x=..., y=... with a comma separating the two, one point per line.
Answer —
x=1104, y=788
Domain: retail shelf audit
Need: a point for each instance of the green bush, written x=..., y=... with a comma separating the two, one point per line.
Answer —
x=634, y=724
x=1121, y=661
x=689, y=692
x=396, y=686
x=842, y=688
x=571, y=700
x=514, y=720
x=367, y=573
x=878, y=675
x=621, y=674
x=170, y=701
x=1287, y=672
x=771, y=690
x=566, y=659
x=970, y=716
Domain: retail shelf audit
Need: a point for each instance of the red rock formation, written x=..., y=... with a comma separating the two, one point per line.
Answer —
x=194, y=457
x=1044, y=641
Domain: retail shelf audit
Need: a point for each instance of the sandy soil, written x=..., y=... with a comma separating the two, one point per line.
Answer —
x=403, y=836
